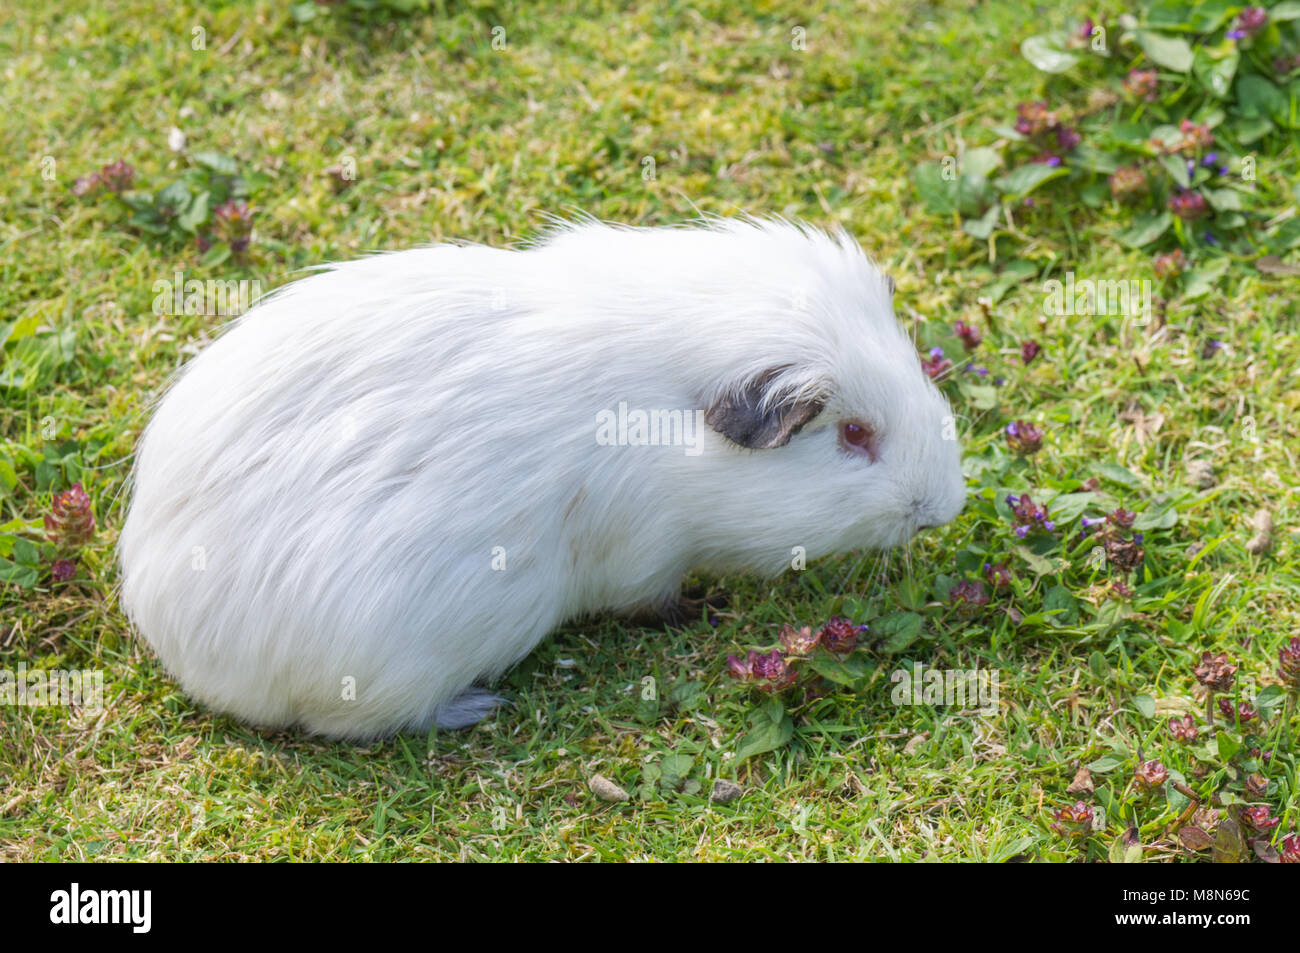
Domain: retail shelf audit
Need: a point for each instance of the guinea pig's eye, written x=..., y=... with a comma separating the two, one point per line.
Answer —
x=857, y=437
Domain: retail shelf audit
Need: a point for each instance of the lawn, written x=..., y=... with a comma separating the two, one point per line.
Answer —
x=346, y=132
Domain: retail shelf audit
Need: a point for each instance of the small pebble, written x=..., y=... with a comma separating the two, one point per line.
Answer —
x=724, y=792
x=606, y=790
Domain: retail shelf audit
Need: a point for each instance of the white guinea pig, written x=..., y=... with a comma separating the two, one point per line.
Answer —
x=390, y=480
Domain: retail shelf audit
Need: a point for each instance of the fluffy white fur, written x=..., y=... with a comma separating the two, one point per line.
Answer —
x=320, y=495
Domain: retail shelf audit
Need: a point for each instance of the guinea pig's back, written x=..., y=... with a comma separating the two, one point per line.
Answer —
x=347, y=488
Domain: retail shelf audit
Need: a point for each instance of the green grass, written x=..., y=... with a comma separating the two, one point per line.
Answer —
x=454, y=139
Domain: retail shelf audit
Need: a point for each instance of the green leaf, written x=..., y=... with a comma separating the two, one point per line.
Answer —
x=1045, y=53
x=1146, y=705
x=1146, y=229
x=1070, y=506
x=1206, y=16
x=1223, y=200
x=1228, y=848
x=980, y=162
x=223, y=165
x=26, y=552
x=1105, y=763
x=1200, y=281
x=24, y=577
x=982, y=227
x=832, y=669
x=196, y=214
x=1216, y=74
x=1020, y=182
x=1176, y=166
x=899, y=630
x=1252, y=129
x=1041, y=565
x=673, y=770
x=937, y=194
x=765, y=734
x=1286, y=236
x=1171, y=52
x=1271, y=697
x=1285, y=11
x=1228, y=745
x=1098, y=665
x=1256, y=96
x=1062, y=605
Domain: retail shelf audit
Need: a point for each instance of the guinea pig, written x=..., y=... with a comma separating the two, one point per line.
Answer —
x=388, y=481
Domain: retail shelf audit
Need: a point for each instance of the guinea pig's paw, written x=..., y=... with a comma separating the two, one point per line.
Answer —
x=468, y=708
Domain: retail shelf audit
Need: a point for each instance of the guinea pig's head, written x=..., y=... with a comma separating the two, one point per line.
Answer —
x=827, y=433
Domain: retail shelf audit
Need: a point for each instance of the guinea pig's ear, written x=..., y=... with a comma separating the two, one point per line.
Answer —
x=755, y=419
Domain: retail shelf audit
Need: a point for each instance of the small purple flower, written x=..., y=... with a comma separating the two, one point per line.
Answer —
x=1170, y=265
x=1067, y=138
x=1027, y=513
x=1150, y=776
x=1023, y=437
x=1183, y=729
x=1249, y=22
x=998, y=575
x=1196, y=135
x=1034, y=118
x=839, y=636
x=1259, y=818
x=1127, y=182
x=71, y=520
x=1074, y=821
x=117, y=176
x=797, y=641
x=63, y=570
x=1288, y=658
x=1029, y=350
x=969, y=334
x=1290, y=852
x=1188, y=205
x=1121, y=517
x=1142, y=84
x=1244, y=712
x=1215, y=672
x=1236, y=34
x=937, y=365
x=234, y=223
x=1089, y=522
x=1209, y=238
x=773, y=672
x=968, y=595
x=769, y=672
x=1208, y=161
